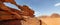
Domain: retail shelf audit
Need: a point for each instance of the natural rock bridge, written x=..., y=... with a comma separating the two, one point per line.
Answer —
x=11, y=16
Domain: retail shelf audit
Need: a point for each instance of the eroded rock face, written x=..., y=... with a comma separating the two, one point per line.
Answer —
x=10, y=1
x=26, y=10
x=10, y=22
x=30, y=21
x=10, y=16
x=7, y=18
x=6, y=15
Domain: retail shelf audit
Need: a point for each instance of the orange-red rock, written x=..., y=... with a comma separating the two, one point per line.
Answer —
x=26, y=10
x=10, y=1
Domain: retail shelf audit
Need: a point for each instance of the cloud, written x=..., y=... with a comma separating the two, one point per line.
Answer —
x=57, y=4
x=37, y=13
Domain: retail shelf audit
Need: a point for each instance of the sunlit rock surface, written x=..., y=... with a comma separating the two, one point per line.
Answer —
x=31, y=21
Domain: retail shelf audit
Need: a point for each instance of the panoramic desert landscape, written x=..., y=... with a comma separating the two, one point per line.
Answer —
x=29, y=12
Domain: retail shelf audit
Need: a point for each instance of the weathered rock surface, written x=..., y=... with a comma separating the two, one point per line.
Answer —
x=10, y=22
x=6, y=15
x=10, y=16
x=27, y=11
x=31, y=21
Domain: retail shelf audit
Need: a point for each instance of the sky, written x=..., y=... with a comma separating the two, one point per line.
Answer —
x=41, y=7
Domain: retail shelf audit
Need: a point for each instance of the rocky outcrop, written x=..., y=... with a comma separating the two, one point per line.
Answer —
x=10, y=16
x=55, y=15
x=6, y=15
x=31, y=21
x=10, y=22
x=10, y=1
x=26, y=10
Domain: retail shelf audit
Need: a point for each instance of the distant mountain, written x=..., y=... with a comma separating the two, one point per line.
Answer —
x=55, y=15
x=52, y=16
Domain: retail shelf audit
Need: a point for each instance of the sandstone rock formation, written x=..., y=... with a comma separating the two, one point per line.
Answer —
x=26, y=10
x=7, y=15
x=6, y=18
x=10, y=16
x=55, y=15
x=30, y=21
x=10, y=22
x=5, y=8
x=9, y=1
